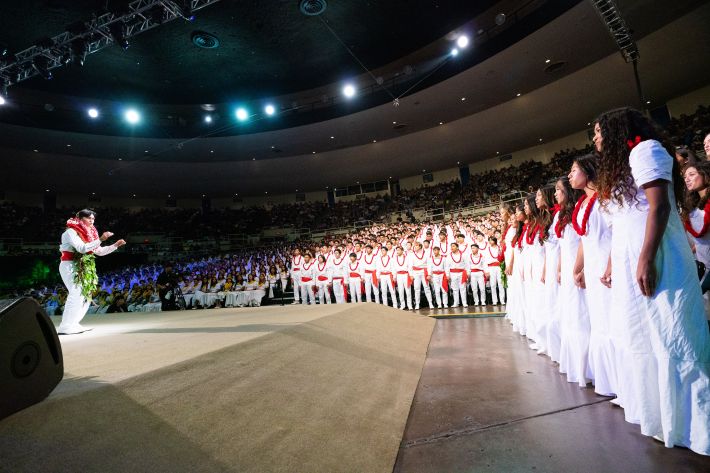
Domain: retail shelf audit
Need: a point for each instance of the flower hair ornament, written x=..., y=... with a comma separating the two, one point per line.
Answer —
x=633, y=143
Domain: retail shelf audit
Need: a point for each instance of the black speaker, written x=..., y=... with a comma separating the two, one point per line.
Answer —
x=31, y=362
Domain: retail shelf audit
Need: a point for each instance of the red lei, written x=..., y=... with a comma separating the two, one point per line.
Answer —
x=706, y=223
x=530, y=236
x=519, y=241
x=585, y=218
x=559, y=228
x=87, y=233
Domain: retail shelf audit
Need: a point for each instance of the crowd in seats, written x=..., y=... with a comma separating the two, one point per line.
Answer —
x=240, y=278
x=32, y=224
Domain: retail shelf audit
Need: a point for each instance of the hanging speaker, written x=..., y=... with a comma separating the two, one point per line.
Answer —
x=31, y=362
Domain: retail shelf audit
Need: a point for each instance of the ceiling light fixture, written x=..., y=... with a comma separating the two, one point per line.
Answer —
x=93, y=113
x=349, y=91
x=462, y=41
x=132, y=116
x=242, y=114
x=269, y=109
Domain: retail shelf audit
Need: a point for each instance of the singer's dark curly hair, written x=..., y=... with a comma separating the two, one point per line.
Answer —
x=618, y=126
x=546, y=216
x=571, y=198
x=693, y=200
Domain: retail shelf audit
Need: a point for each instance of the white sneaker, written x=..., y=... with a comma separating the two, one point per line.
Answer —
x=465, y=306
x=416, y=308
x=454, y=306
x=446, y=306
x=295, y=302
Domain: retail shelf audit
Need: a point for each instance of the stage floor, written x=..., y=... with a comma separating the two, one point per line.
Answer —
x=355, y=387
x=488, y=403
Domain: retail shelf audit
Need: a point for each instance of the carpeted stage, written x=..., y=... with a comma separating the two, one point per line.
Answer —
x=320, y=389
x=312, y=389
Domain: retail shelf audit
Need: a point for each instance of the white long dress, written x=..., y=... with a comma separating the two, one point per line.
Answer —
x=508, y=257
x=574, y=317
x=702, y=249
x=666, y=335
x=535, y=292
x=596, y=243
x=516, y=301
x=552, y=290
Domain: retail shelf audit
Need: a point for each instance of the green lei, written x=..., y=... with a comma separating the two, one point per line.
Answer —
x=85, y=275
x=503, y=276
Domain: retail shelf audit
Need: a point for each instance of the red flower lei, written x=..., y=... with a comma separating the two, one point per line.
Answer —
x=519, y=241
x=706, y=223
x=559, y=228
x=585, y=218
x=530, y=236
x=87, y=233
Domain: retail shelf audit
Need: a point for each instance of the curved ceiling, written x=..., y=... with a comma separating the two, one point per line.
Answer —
x=268, y=51
x=550, y=107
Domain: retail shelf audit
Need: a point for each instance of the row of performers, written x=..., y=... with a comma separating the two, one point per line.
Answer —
x=377, y=272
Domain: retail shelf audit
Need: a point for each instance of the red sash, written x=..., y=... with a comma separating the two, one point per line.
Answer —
x=69, y=256
x=306, y=279
x=390, y=275
x=322, y=278
x=444, y=281
x=345, y=288
x=374, y=275
x=464, y=277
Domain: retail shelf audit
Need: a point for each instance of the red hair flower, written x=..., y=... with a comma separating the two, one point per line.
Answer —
x=632, y=143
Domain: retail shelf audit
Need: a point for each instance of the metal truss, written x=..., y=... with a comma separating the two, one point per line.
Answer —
x=618, y=29
x=87, y=37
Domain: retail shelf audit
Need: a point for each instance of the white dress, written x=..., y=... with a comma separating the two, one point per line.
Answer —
x=508, y=256
x=702, y=249
x=574, y=317
x=552, y=289
x=596, y=243
x=535, y=293
x=667, y=358
x=516, y=296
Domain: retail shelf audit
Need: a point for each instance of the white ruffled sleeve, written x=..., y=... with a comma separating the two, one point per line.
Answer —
x=650, y=161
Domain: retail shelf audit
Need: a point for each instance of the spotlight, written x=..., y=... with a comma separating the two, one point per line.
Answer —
x=93, y=113
x=462, y=42
x=41, y=65
x=242, y=114
x=118, y=33
x=185, y=8
x=2, y=100
x=269, y=110
x=132, y=116
x=454, y=52
x=208, y=118
x=79, y=49
x=349, y=91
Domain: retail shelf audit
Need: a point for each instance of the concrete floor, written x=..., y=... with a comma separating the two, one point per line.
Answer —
x=486, y=402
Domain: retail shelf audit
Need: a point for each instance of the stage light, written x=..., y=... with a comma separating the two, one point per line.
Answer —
x=242, y=114
x=462, y=41
x=132, y=116
x=208, y=118
x=93, y=113
x=269, y=110
x=118, y=34
x=454, y=52
x=349, y=91
x=186, y=10
x=79, y=50
x=2, y=100
x=41, y=65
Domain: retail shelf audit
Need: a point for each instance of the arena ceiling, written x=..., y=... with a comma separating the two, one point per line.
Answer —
x=492, y=118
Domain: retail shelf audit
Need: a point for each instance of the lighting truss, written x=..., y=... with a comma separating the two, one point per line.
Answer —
x=618, y=29
x=88, y=37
